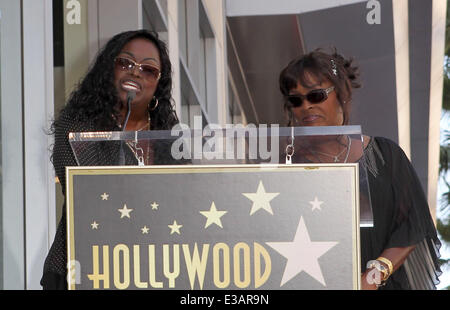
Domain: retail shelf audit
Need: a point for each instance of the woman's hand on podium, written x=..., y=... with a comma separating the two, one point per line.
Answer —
x=367, y=282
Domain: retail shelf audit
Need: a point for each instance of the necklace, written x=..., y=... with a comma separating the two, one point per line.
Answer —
x=137, y=150
x=336, y=157
x=147, y=125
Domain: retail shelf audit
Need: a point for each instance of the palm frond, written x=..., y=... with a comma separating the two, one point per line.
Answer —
x=446, y=92
x=444, y=263
x=443, y=229
x=444, y=159
x=445, y=199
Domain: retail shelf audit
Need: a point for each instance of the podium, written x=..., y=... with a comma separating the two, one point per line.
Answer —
x=234, y=208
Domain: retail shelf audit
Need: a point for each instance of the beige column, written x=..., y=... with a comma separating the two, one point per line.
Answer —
x=401, y=33
x=173, y=46
x=439, y=10
x=76, y=51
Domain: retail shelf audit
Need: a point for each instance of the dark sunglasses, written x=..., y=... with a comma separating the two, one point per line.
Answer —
x=147, y=70
x=314, y=96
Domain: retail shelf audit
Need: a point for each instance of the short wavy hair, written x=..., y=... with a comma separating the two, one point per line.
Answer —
x=319, y=64
x=95, y=98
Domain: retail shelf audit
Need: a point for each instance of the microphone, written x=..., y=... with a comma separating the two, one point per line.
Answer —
x=130, y=97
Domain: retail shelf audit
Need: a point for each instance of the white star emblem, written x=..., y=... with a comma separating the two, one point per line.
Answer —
x=94, y=225
x=125, y=211
x=261, y=199
x=302, y=254
x=175, y=228
x=316, y=204
x=213, y=216
x=145, y=230
x=154, y=206
x=104, y=196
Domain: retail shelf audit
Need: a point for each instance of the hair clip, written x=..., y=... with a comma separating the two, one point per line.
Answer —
x=333, y=67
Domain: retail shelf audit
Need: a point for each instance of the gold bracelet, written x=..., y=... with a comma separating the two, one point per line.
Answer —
x=388, y=263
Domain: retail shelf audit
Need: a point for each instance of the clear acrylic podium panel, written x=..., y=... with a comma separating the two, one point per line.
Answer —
x=232, y=145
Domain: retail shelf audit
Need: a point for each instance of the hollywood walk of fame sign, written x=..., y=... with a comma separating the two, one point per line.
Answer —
x=265, y=227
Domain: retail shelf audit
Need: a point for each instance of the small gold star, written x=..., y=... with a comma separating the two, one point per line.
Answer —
x=261, y=199
x=154, y=206
x=145, y=230
x=213, y=216
x=104, y=196
x=175, y=228
x=125, y=211
x=94, y=225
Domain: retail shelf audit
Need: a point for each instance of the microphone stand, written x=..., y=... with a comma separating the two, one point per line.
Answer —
x=130, y=97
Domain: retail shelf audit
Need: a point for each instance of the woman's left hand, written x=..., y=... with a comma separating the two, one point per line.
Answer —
x=365, y=282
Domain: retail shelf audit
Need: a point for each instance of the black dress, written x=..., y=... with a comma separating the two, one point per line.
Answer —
x=55, y=266
x=97, y=154
x=401, y=217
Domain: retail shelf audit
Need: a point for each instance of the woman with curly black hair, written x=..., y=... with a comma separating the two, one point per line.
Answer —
x=128, y=87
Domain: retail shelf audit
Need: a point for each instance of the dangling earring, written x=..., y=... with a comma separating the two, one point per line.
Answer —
x=156, y=104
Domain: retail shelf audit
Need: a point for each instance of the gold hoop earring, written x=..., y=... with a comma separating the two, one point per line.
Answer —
x=156, y=104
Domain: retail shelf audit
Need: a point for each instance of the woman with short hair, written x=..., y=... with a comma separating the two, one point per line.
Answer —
x=402, y=247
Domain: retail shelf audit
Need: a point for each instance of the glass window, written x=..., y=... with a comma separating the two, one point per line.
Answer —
x=202, y=83
x=154, y=17
x=190, y=105
x=163, y=5
x=207, y=55
x=182, y=30
x=198, y=54
x=234, y=115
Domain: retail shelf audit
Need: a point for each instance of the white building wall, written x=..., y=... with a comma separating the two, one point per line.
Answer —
x=12, y=200
x=38, y=108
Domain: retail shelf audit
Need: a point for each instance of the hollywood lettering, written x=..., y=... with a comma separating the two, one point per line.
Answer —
x=230, y=265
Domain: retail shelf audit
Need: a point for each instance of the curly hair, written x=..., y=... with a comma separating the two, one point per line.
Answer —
x=319, y=63
x=95, y=98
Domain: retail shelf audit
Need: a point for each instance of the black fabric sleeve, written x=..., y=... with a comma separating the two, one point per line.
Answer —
x=88, y=154
x=55, y=270
x=62, y=152
x=412, y=220
x=412, y=223
x=55, y=266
